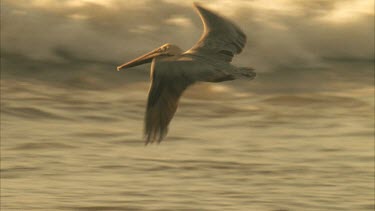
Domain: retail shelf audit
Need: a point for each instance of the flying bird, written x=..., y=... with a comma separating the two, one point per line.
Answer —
x=173, y=70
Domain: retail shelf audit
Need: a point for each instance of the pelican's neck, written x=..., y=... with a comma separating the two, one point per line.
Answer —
x=165, y=58
x=160, y=60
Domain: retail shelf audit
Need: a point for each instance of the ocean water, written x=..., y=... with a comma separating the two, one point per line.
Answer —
x=282, y=142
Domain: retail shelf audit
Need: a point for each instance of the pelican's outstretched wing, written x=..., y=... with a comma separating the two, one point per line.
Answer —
x=163, y=97
x=221, y=38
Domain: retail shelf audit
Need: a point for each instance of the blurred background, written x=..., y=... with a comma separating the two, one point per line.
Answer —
x=298, y=137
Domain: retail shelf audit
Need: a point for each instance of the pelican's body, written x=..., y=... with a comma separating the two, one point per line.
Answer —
x=173, y=70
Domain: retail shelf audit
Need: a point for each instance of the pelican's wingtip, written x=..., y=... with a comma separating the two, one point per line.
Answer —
x=197, y=4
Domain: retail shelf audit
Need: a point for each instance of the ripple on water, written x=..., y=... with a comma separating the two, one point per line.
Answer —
x=32, y=113
x=43, y=145
x=314, y=100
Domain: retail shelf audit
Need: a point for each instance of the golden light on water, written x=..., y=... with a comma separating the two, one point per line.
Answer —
x=348, y=11
x=342, y=10
x=70, y=3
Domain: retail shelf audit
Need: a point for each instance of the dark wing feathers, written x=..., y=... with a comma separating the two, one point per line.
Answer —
x=162, y=104
x=221, y=38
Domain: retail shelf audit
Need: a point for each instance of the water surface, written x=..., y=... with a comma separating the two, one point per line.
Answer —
x=259, y=145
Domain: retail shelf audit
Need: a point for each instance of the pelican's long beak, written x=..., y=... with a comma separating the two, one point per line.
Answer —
x=141, y=60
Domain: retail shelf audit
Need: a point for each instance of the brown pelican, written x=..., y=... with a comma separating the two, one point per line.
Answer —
x=173, y=70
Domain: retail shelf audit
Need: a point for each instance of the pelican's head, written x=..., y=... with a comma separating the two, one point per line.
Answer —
x=164, y=50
